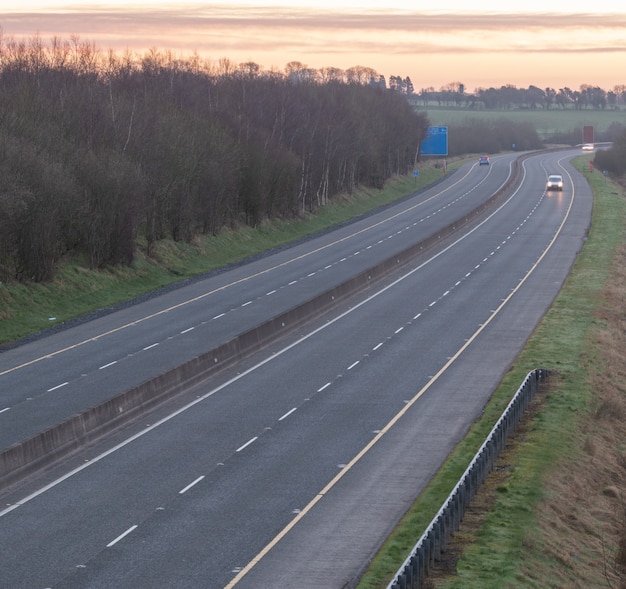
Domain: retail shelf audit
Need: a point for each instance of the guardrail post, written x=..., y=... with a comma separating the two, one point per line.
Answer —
x=421, y=566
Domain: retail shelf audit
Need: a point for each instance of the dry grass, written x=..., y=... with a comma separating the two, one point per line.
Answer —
x=583, y=518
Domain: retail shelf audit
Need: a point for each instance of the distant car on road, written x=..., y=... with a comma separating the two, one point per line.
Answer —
x=588, y=146
x=555, y=182
x=483, y=160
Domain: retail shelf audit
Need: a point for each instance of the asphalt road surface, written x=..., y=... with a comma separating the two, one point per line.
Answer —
x=291, y=469
x=46, y=381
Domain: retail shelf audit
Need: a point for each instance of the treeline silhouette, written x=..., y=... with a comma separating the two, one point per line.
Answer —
x=101, y=151
x=492, y=136
x=613, y=159
x=509, y=96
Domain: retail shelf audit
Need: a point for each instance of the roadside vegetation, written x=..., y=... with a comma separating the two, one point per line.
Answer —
x=553, y=513
x=102, y=152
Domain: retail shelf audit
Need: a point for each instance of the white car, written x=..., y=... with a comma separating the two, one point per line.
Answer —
x=588, y=147
x=555, y=182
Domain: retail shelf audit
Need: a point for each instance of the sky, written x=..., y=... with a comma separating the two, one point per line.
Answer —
x=481, y=44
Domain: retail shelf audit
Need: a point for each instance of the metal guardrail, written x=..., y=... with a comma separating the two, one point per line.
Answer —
x=414, y=571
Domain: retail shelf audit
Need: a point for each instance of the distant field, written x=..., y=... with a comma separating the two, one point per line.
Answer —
x=545, y=122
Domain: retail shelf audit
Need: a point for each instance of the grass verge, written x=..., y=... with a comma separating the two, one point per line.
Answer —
x=77, y=290
x=553, y=513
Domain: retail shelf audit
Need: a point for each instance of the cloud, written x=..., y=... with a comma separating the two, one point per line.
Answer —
x=433, y=49
x=220, y=28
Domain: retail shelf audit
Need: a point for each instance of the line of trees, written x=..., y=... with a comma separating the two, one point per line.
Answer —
x=100, y=150
x=533, y=97
x=492, y=136
x=613, y=160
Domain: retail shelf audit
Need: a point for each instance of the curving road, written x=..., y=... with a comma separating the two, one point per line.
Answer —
x=46, y=381
x=291, y=469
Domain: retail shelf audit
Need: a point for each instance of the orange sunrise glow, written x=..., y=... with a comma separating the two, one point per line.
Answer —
x=492, y=46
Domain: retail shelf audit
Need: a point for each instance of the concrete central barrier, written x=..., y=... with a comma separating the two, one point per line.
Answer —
x=27, y=457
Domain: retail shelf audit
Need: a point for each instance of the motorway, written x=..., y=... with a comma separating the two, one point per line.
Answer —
x=292, y=468
x=47, y=380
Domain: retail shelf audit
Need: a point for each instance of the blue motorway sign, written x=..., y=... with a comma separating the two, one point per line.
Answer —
x=436, y=142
